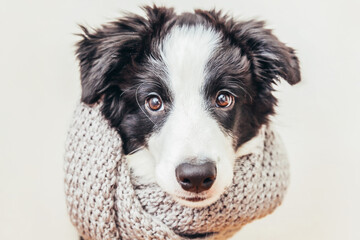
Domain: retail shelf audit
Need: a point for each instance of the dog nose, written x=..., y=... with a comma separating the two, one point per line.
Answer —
x=196, y=177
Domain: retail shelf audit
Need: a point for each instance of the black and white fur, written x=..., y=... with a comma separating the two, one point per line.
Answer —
x=185, y=60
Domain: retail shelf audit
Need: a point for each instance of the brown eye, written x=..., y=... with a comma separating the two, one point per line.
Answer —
x=224, y=100
x=154, y=103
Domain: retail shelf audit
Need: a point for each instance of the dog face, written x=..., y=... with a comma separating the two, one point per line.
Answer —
x=187, y=93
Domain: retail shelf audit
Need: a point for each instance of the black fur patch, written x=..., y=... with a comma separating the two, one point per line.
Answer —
x=250, y=61
x=115, y=66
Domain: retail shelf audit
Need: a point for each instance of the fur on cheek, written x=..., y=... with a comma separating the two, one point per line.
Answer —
x=104, y=201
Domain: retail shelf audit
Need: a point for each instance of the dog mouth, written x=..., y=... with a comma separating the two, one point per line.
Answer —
x=193, y=199
x=196, y=235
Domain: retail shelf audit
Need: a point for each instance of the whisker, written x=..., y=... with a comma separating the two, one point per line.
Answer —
x=130, y=88
x=137, y=149
x=240, y=85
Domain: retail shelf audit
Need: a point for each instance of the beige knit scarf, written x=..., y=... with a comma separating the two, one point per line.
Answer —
x=105, y=202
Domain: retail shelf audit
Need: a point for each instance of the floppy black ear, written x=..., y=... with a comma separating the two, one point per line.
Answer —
x=113, y=46
x=270, y=57
x=98, y=54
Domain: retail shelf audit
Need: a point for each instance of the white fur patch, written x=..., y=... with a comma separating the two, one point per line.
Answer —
x=190, y=133
x=254, y=145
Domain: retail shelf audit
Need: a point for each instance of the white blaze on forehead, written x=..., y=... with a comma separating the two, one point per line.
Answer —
x=185, y=52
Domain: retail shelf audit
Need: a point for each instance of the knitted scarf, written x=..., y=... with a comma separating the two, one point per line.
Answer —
x=105, y=202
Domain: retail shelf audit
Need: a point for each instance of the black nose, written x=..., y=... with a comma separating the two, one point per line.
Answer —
x=196, y=177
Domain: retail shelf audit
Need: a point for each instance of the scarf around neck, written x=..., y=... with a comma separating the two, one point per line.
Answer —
x=105, y=202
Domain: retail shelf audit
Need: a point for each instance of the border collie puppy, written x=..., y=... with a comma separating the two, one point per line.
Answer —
x=187, y=93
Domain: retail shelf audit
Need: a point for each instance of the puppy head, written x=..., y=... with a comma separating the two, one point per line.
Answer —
x=185, y=93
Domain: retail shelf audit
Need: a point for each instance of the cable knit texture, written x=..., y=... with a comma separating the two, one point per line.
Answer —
x=105, y=202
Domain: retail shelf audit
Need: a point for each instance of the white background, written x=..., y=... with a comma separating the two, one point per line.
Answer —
x=318, y=119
